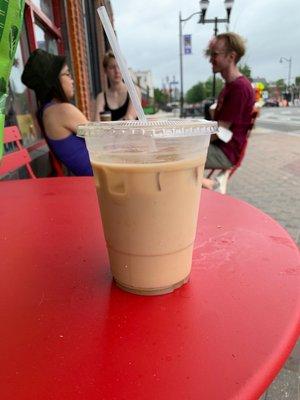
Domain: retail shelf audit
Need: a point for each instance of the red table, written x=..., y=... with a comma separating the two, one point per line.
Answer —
x=67, y=332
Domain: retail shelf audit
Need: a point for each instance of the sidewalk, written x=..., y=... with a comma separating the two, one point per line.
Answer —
x=269, y=179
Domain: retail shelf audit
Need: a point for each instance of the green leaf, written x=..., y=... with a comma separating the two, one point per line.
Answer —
x=2, y=85
x=13, y=37
x=22, y=2
x=3, y=98
x=3, y=15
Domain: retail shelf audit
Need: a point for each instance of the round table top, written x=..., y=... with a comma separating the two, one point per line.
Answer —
x=67, y=332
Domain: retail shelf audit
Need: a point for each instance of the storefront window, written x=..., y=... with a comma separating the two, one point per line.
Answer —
x=91, y=46
x=19, y=107
x=45, y=6
x=44, y=40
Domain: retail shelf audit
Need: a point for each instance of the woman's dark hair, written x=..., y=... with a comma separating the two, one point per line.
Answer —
x=41, y=74
x=56, y=92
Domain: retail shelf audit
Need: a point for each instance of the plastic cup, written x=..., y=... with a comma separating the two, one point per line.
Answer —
x=149, y=197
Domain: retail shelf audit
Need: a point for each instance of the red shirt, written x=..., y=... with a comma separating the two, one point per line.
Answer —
x=235, y=105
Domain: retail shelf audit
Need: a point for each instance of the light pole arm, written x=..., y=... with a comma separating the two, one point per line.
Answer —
x=286, y=59
x=186, y=19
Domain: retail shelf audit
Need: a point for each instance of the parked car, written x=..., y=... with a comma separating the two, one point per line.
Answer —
x=271, y=103
x=192, y=111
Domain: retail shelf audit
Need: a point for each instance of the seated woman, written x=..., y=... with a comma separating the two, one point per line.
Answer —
x=49, y=76
x=116, y=98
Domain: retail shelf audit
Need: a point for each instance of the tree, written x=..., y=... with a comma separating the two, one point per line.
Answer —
x=281, y=85
x=195, y=94
x=208, y=85
x=160, y=97
x=245, y=70
x=267, y=86
x=297, y=80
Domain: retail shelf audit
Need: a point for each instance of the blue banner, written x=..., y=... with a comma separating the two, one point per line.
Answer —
x=187, y=44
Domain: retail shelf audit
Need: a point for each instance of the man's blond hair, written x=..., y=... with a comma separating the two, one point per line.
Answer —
x=233, y=42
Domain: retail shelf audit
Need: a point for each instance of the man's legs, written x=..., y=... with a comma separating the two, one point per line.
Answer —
x=216, y=159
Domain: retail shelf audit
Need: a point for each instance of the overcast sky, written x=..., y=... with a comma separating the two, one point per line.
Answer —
x=148, y=33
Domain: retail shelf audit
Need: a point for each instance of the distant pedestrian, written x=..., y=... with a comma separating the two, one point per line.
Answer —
x=115, y=99
x=234, y=106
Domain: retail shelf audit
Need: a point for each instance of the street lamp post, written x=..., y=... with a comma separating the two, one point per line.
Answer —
x=180, y=57
x=289, y=60
x=203, y=7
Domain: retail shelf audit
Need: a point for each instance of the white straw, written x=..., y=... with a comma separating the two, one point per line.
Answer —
x=121, y=63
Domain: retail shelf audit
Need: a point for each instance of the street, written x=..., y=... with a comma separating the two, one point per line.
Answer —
x=280, y=119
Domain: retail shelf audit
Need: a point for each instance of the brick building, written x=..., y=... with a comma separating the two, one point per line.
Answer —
x=69, y=27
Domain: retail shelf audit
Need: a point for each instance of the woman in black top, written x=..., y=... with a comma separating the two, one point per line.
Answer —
x=116, y=98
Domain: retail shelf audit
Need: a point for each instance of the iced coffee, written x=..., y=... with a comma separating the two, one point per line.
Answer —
x=149, y=199
x=105, y=116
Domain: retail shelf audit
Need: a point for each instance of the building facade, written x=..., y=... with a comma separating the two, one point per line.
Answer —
x=144, y=80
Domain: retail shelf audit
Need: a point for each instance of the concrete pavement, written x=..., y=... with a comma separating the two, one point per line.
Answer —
x=269, y=179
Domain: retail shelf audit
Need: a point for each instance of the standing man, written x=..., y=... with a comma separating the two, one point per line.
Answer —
x=235, y=103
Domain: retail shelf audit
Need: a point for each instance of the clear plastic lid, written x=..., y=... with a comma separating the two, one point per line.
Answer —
x=140, y=142
x=156, y=129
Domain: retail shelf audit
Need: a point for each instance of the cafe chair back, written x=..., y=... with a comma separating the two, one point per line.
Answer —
x=224, y=174
x=56, y=164
x=18, y=157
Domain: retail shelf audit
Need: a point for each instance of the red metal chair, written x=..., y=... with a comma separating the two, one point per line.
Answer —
x=19, y=157
x=56, y=165
x=225, y=174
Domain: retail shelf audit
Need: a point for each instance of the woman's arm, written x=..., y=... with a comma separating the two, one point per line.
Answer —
x=72, y=117
x=61, y=119
x=131, y=113
x=99, y=107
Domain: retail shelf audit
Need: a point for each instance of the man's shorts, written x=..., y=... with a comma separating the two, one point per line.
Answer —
x=216, y=159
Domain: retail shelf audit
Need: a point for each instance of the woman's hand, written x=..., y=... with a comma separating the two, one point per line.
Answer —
x=129, y=116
